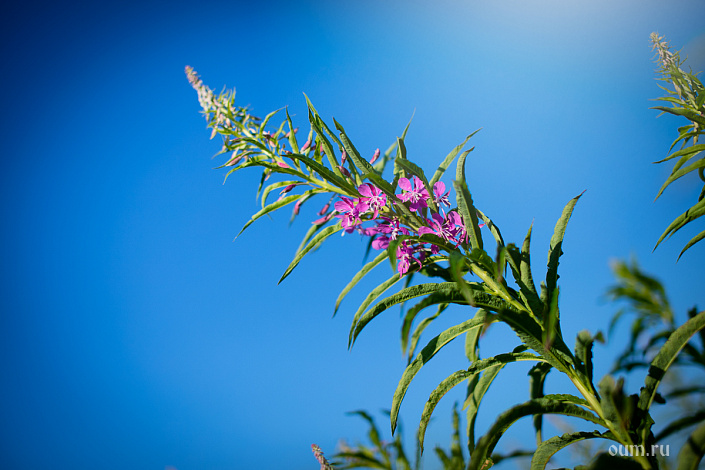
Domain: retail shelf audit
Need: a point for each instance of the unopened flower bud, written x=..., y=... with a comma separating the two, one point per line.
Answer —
x=323, y=219
x=375, y=156
x=297, y=206
x=344, y=171
x=324, y=209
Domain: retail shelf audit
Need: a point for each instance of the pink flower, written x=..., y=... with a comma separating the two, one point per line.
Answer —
x=349, y=210
x=405, y=257
x=373, y=196
x=415, y=195
x=449, y=228
x=438, y=196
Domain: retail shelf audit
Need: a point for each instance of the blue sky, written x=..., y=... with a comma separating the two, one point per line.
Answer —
x=137, y=334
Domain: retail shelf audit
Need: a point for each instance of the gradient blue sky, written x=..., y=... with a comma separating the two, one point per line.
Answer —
x=137, y=334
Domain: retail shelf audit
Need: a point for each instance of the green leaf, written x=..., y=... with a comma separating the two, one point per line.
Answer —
x=531, y=334
x=681, y=423
x=274, y=206
x=537, y=377
x=547, y=405
x=617, y=407
x=680, y=172
x=692, y=242
x=309, y=234
x=273, y=186
x=460, y=376
x=523, y=277
x=555, y=251
x=549, y=447
x=665, y=357
x=376, y=292
x=362, y=273
x=474, y=398
x=583, y=353
x=689, y=114
x=693, y=450
x=445, y=290
x=328, y=148
x=265, y=122
x=427, y=354
x=324, y=172
x=409, y=318
x=352, y=152
x=465, y=204
x=688, y=216
x=317, y=240
x=449, y=159
x=684, y=152
x=292, y=135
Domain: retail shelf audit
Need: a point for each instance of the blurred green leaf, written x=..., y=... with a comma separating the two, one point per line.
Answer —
x=665, y=357
x=693, y=450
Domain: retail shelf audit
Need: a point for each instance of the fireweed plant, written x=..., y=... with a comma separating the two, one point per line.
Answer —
x=410, y=220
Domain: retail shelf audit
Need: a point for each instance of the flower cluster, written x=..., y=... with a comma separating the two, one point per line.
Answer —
x=374, y=206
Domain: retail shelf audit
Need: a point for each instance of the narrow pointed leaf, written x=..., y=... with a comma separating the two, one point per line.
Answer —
x=692, y=242
x=549, y=447
x=537, y=377
x=362, y=273
x=317, y=240
x=684, y=152
x=465, y=204
x=693, y=450
x=583, y=353
x=665, y=357
x=410, y=316
x=327, y=174
x=546, y=405
x=315, y=228
x=555, y=251
x=355, y=328
x=271, y=207
x=680, y=172
x=461, y=375
x=292, y=135
x=688, y=216
x=273, y=186
x=426, y=355
x=449, y=159
x=447, y=289
x=475, y=396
